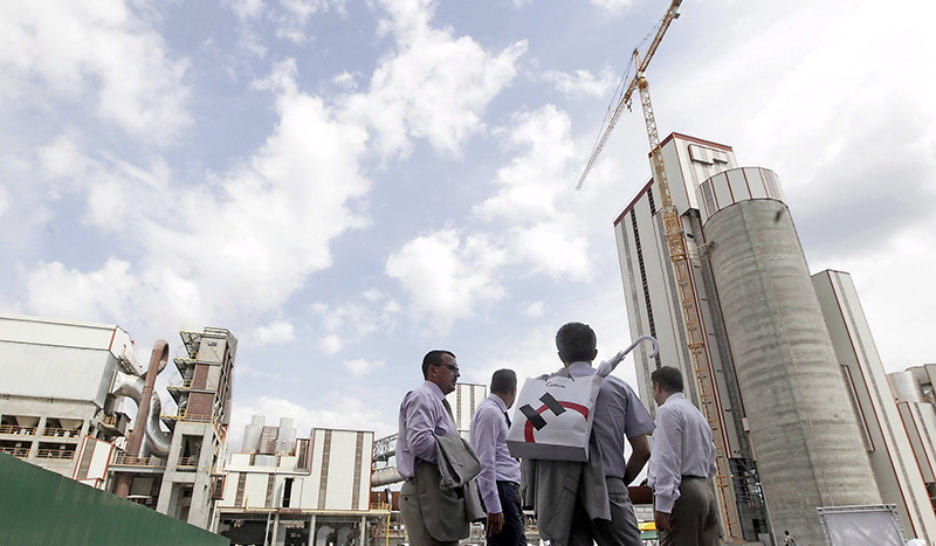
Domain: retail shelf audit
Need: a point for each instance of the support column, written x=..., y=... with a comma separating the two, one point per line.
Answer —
x=275, y=529
x=34, y=446
x=312, y=530
x=363, y=530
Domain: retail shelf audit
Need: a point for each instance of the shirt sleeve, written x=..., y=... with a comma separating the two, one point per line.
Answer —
x=484, y=442
x=666, y=460
x=419, y=427
x=638, y=418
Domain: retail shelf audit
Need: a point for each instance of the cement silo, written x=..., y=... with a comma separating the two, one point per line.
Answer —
x=806, y=440
x=252, y=434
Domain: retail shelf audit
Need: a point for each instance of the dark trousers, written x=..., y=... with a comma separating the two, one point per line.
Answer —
x=620, y=530
x=694, y=520
x=512, y=533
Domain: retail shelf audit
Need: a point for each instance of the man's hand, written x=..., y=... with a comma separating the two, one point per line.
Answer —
x=495, y=523
x=661, y=519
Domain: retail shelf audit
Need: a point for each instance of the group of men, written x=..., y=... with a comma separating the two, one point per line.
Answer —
x=576, y=504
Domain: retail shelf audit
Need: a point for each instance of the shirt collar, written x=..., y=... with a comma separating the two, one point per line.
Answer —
x=674, y=396
x=434, y=389
x=498, y=401
x=580, y=368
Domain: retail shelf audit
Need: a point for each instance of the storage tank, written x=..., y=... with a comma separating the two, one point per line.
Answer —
x=286, y=438
x=252, y=434
x=803, y=430
x=905, y=387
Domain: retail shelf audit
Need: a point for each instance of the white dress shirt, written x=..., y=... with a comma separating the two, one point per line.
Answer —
x=682, y=446
x=489, y=440
x=421, y=415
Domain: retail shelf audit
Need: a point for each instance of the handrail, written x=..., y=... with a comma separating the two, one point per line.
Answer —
x=188, y=461
x=61, y=432
x=127, y=460
x=16, y=429
x=15, y=451
x=55, y=453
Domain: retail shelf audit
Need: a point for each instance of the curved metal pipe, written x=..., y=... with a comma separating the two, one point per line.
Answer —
x=131, y=386
x=385, y=476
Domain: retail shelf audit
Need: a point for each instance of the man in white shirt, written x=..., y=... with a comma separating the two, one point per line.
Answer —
x=681, y=466
x=424, y=414
x=499, y=480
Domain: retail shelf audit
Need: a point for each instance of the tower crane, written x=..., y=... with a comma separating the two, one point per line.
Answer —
x=679, y=256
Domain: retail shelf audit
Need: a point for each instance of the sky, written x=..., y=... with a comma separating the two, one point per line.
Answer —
x=347, y=185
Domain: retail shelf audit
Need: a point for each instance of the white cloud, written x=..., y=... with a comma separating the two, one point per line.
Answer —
x=360, y=367
x=256, y=231
x=582, y=83
x=345, y=80
x=535, y=309
x=292, y=20
x=62, y=50
x=278, y=331
x=533, y=181
x=447, y=277
x=436, y=86
x=245, y=9
x=612, y=5
x=331, y=344
x=4, y=201
x=56, y=291
x=352, y=322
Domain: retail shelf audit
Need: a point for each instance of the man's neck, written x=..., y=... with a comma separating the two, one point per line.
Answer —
x=567, y=364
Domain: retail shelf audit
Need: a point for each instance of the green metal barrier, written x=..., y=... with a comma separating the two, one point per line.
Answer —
x=39, y=507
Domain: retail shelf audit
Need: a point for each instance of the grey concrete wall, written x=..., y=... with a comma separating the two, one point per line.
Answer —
x=803, y=431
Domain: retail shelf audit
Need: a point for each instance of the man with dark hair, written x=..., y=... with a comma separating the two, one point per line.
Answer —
x=499, y=480
x=602, y=512
x=424, y=413
x=682, y=463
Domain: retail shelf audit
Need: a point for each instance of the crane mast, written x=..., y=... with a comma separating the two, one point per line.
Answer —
x=679, y=256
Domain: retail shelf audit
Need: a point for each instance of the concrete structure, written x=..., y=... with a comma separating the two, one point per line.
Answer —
x=803, y=430
x=301, y=491
x=184, y=480
x=898, y=474
x=913, y=390
x=54, y=393
x=464, y=401
x=788, y=423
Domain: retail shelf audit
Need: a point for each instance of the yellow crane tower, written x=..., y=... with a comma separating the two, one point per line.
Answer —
x=676, y=243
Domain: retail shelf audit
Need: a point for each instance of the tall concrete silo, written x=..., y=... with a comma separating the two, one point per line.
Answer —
x=803, y=431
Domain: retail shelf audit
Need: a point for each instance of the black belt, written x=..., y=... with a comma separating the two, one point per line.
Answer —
x=690, y=477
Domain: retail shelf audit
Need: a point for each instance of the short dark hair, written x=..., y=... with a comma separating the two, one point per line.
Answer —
x=576, y=342
x=434, y=358
x=503, y=381
x=669, y=378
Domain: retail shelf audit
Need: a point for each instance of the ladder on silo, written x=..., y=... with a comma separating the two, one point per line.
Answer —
x=679, y=256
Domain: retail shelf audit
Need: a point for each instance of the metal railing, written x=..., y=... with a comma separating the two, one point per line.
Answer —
x=127, y=460
x=55, y=453
x=187, y=384
x=61, y=432
x=188, y=462
x=110, y=420
x=15, y=451
x=16, y=429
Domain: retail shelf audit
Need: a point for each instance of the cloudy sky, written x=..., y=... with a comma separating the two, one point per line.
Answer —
x=346, y=185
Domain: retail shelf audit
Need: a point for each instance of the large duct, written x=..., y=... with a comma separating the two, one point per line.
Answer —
x=385, y=476
x=131, y=386
x=808, y=445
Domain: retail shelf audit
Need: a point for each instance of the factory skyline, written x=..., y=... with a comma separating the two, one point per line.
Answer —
x=166, y=201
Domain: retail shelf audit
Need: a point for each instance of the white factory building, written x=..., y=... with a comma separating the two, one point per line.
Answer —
x=786, y=369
